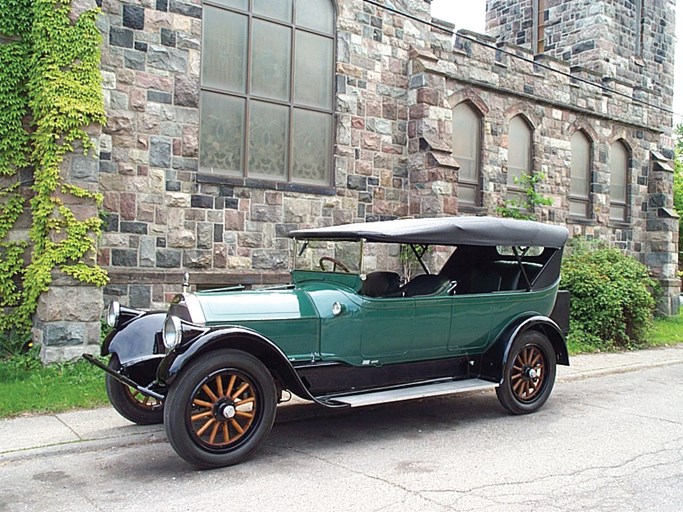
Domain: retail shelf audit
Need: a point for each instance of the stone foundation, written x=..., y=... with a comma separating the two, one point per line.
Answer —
x=67, y=321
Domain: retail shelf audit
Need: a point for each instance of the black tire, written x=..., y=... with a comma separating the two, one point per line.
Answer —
x=529, y=374
x=130, y=403
x=220, y=409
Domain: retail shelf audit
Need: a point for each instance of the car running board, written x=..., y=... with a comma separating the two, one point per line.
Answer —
x=409, y=393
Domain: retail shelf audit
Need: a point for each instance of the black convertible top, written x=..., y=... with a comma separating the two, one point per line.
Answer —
x=488, y=231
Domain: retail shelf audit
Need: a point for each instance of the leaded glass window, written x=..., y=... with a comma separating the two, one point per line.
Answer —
x=619, y=167
x=266, y=102
x=580, y=183
x=467, y=152
x=519, y=156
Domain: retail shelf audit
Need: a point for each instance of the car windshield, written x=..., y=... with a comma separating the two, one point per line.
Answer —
x=328, y=256
x=365, y=257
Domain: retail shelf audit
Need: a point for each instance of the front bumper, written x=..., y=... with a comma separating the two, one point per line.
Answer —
x=123, y=379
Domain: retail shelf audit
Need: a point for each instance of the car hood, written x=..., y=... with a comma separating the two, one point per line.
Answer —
x=240, y=306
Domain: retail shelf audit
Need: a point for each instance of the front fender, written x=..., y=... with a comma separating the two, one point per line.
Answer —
x=496, y=357
x=137, y=339
x=238, y=338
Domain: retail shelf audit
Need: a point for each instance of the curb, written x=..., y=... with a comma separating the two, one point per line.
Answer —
x=615, y=370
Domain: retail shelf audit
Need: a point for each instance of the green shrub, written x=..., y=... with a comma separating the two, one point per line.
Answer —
x=612, y=303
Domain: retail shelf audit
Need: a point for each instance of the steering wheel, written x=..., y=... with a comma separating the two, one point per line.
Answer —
x=336, y=263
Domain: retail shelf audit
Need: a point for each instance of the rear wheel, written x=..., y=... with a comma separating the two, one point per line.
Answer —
x=529, y=374
x=129, y=402
x=220, y=409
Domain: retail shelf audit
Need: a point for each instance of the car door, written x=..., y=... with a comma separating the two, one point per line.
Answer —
x=388, y=328
x=470, y=323
x=432, y=326
x=406, y=328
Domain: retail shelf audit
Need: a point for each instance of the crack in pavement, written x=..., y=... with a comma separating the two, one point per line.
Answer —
x=570, y=474
x=632, y=414
x=366, y=475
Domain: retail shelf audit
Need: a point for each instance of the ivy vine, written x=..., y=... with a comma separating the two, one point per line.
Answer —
x=50, y=92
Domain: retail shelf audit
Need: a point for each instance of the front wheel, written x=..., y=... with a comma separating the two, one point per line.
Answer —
x=131, y=403
x=220, y=409
x=529, y=374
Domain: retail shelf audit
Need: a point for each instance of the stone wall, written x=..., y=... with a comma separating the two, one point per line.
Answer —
x=396, y=83
x=165, y=217
x=504, y=80
x=67, y=321
x=609, y=37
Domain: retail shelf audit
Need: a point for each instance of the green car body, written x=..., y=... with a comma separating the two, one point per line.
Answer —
x=388, y=330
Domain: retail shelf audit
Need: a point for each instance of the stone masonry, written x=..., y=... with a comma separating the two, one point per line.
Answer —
x=397, y=80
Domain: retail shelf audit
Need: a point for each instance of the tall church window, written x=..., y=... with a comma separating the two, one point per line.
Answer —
x=467, y=151
x=266, y=99
x=640, y=26
x=619, y=172
x=519, y=156
x=538, y=25
x=579, y=189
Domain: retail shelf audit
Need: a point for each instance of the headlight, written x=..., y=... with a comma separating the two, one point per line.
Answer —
x=113, y=313
x=173, y=332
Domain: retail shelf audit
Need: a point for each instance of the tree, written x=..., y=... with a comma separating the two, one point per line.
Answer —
x=524, y=208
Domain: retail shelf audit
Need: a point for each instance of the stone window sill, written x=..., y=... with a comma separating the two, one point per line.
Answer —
x=581, y=221
x=219, y=179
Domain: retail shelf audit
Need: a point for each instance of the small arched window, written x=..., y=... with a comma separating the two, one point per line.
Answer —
x=619, y=174
x=579, y=189
x=266, y=100
x=519, y=155
x=467, y=151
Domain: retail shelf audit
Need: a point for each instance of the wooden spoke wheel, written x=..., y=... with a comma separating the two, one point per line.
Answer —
x=131, y=403
x=220, y=408
x=529, y=374
x=142, y=400
x=223, y=409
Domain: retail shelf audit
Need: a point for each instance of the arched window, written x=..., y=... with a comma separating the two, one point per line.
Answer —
x=579, y=190
x=266, y=103
x=619, y=172
x=467, y=151
x=519, y=155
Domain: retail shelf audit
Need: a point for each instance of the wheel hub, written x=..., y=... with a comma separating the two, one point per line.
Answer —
x=224, y=410
x=532, y=373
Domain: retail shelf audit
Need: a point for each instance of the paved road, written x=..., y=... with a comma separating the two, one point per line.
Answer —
x=606, y=443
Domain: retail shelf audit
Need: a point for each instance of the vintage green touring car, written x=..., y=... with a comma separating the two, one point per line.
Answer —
x=347, y=334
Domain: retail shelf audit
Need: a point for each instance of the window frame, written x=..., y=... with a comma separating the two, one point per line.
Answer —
x=624, y=219
x=514, y=191
x=640, y=27
x=586, y=200
x=538, y=26
x=476, y=184
x=244, y=175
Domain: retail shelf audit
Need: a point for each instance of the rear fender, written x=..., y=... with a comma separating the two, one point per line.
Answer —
x=137, y=339
x=496, y=357
x=237, y=338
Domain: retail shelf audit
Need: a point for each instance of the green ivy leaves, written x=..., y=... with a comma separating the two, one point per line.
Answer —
x=50, y=90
